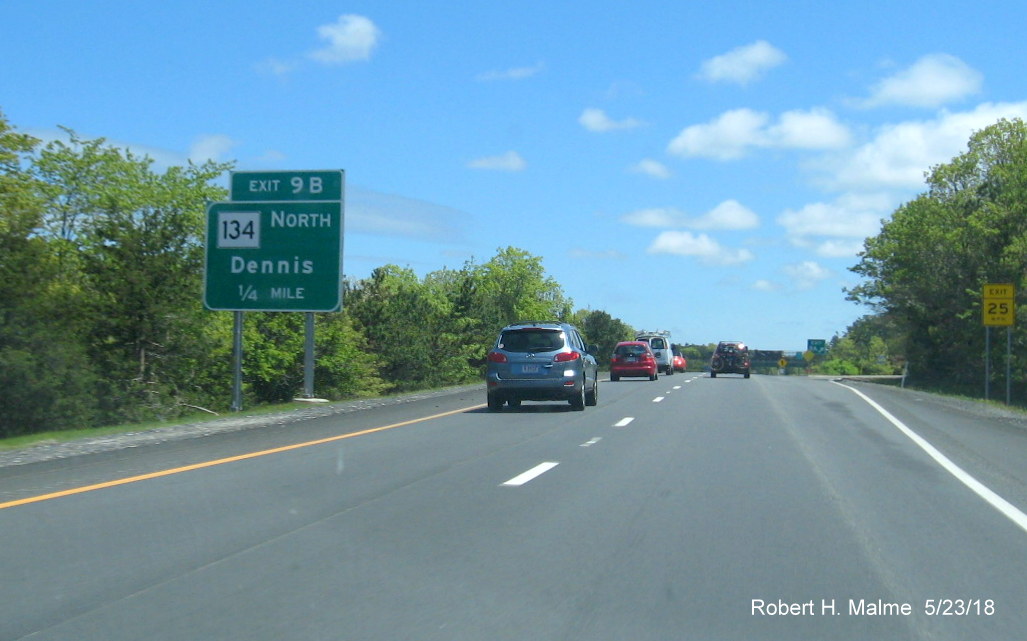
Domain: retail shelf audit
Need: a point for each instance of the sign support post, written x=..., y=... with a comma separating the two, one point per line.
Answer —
x=308, y=357
x=987, y=363
x=998, y=309
x=1009, y=363
x=237, y=362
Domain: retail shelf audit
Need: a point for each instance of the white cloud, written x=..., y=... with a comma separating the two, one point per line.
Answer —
x=656, y=217
x=211, y=147
x=350, y=38
x=813, y=129
x=733, y=133
x=807, y=274
x=931, y=81
x=742, y=65
x=651, y=167
x=838, y=248
x=515, y=73
x=900, y=154
x=875, y=177
x=766, y=286
x=850, y=216
x=700, y=246
x=597, y=120
x=728, y=215
x=510, y=161
x=837, y=229
x=727, y=137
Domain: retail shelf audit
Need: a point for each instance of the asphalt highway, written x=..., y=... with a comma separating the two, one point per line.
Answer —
x=684, y=508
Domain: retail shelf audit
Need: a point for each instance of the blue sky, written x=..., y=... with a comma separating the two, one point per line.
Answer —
x=710, y=168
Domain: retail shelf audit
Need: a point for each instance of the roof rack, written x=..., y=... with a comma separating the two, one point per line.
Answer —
x=661, y=332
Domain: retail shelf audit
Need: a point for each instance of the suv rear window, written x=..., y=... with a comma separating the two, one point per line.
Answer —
x=532, y=340
x=630, y=350
x=730, y=348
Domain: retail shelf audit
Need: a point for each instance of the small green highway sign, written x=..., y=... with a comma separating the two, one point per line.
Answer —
x=279, y=253
x=287, y=185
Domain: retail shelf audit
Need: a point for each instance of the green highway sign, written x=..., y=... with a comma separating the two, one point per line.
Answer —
x=274, y=256
x=287, y=185
x=817, y=345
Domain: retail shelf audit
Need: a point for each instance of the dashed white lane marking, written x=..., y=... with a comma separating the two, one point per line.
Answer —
x=591, y=442
x=677, y=387
x=534, y=472
x=658, y=399
x=624, y=422
x=1009, y=510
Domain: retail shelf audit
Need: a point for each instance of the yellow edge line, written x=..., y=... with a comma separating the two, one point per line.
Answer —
x=222, y=461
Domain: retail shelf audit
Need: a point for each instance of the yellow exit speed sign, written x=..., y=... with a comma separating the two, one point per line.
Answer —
x=999, y=306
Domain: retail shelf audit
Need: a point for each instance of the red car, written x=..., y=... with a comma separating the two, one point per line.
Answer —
x=680, y=362
x=633, y=358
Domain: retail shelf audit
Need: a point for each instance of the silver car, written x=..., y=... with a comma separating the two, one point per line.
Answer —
x=541, y=361
x=660, y=343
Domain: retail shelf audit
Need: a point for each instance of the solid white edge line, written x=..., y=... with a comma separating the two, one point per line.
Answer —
x=1009, y=510
x=538, y=470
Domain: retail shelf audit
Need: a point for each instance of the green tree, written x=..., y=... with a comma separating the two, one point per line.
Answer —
x=512, y=286
x=45, y=377
x=407, y=325
x=131, y=240
x=602, y=330
x=926, y=268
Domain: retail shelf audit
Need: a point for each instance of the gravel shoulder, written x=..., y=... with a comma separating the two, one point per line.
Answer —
x=47, y=451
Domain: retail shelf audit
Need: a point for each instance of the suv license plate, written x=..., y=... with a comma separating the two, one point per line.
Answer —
x=531, y=369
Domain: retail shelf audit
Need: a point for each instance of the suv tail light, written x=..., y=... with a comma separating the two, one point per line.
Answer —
x=496, y=357
x=563, y=357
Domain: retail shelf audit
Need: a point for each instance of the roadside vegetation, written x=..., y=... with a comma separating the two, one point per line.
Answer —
x=101, y=277
x=101, y=316
x=924, y=273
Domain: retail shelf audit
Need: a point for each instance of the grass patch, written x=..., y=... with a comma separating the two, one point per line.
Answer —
x=63, y=436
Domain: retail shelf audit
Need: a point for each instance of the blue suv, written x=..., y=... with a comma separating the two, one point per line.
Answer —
x=541, y=361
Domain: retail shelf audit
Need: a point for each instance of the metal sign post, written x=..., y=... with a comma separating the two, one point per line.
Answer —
x=237, y=362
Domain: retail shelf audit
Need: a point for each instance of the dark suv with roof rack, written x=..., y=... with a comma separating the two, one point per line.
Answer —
x=541, y=361
x=730, y=357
